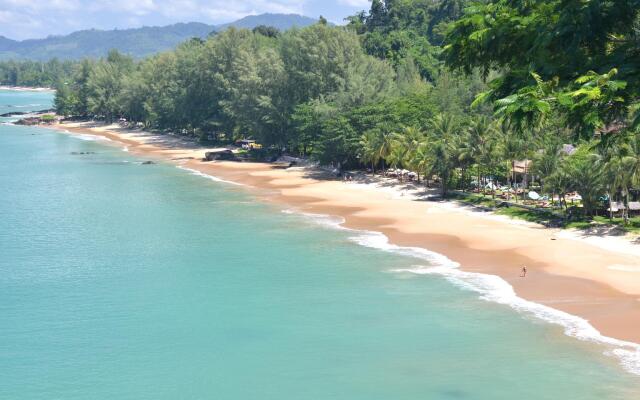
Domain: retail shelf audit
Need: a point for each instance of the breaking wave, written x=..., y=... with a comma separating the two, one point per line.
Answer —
x=491, y=288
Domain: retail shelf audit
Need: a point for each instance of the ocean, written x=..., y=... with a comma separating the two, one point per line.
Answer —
x=120, y=280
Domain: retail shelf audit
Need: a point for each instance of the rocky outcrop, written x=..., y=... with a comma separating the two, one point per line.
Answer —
x=29, y=121
x=221, y=155
x=13, y=114
x=45, y=119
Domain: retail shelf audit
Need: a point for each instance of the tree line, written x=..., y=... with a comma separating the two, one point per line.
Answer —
x=35, y=73
x=312, y=91
x=455, y=91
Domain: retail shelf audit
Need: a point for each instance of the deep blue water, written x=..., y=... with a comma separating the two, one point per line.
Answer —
x=128, y=281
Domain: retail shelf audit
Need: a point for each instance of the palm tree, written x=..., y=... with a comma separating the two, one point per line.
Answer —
x=409, y=140
x=560, y=182
x=488, y=157
x=482, y=145
x=466, y=155
x=442, y=150
x=607, y=151
x=587, y=177
x=369, y=149
x=423, y=161
x=547, y=160
x=385, y=145
x=513, y=149
x=624, y=167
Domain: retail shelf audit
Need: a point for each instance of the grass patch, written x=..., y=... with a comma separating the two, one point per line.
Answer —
x=545, y=217
x=475, y=199
x=632, y=227
x=582, y=225
x=540, y=217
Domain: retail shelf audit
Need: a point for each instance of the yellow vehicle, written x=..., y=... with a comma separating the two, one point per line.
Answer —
x=249, y=144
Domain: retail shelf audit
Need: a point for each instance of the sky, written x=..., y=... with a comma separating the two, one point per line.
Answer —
x=30, y=19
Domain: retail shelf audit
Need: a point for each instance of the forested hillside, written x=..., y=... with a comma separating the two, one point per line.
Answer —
x=138, y=43
x=456, y=91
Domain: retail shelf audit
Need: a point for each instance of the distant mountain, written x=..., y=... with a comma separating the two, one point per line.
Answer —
x=281, y=21
x=138, y=42
x=6, y=41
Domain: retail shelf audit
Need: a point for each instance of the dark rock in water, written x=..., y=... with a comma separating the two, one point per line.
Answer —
x=81, y=153
x=147, y=163
x=13, y=114
x=28, y=121
x=18, y=113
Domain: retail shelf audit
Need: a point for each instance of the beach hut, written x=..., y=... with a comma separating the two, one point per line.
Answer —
x=615, y=207
x=634, y=207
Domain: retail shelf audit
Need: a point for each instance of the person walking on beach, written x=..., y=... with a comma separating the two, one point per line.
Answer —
x=524, y=271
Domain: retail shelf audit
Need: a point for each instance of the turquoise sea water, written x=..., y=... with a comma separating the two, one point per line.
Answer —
x=14, y=101
x=127, y=281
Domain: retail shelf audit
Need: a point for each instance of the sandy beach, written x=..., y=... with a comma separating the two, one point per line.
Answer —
x=597, y=279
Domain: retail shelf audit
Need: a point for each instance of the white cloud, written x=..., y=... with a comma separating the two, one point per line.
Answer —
x=355, y=3
x=21, y=19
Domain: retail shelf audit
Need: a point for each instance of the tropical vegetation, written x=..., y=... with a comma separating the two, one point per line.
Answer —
x=498, y=97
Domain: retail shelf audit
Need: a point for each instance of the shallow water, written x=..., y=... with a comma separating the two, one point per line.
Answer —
x=23, y=101
x=128, y=281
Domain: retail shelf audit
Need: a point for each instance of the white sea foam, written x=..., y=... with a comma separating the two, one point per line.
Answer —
x=125, y=149
x=26, y=105
x=211, y=177
x=491, y=288
x=92, y=138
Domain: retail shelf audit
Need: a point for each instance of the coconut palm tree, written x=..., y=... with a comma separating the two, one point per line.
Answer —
x=409, y=140
x=482, y=145
x=513, y=148
x=560, y=182
x=547, y=159
x=466, y=155
x=442, y=150
x=624, y=166
x=587, y=177
x=385, y=145
x=369, y=149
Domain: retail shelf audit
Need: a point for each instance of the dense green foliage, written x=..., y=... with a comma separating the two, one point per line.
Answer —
x=576, y=60
x=398, y=30
x=137, y=42
x=396, y=88
x=35, y=74
x=312, y=91
x=563, y=63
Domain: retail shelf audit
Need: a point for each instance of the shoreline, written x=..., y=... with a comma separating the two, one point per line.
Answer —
x=26, y=89
x=565, y=273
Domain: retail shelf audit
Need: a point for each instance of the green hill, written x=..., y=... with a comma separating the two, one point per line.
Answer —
x=138, y=42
